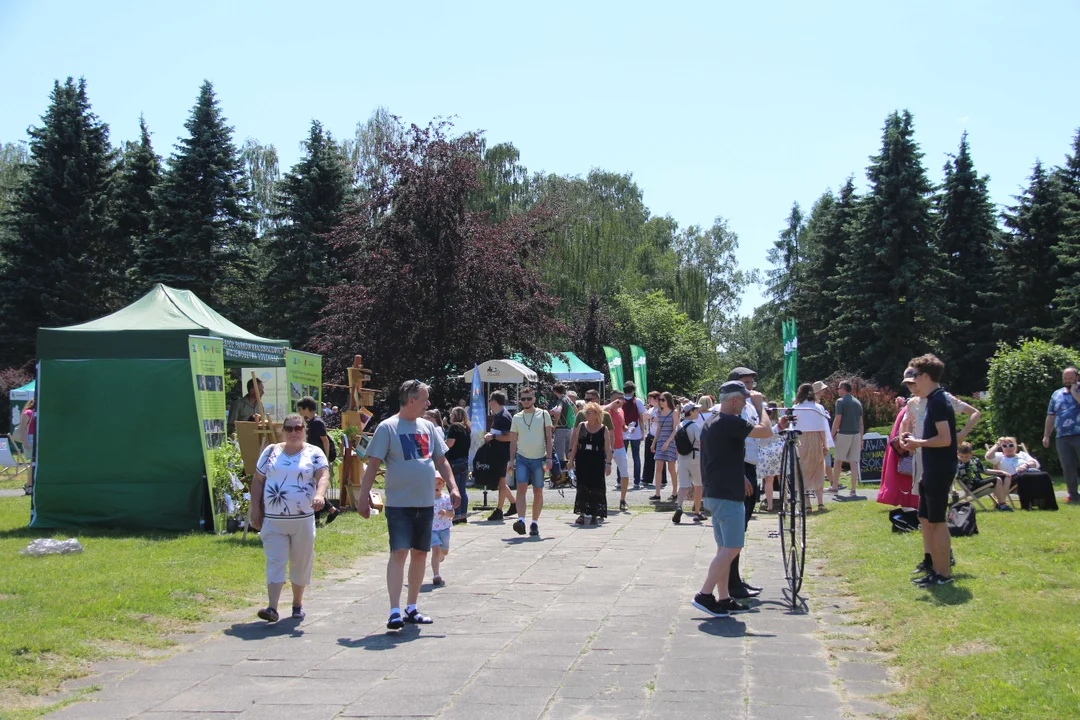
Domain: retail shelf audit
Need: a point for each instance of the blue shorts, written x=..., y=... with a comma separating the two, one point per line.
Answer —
x=728, y=522
x=440, y=538
x=410, y=527
x=528, y=472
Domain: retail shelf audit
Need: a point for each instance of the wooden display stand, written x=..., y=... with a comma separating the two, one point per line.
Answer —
x=356, y=415
x=254, y=435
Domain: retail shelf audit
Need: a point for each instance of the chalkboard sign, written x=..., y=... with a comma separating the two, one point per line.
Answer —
x=873, y=457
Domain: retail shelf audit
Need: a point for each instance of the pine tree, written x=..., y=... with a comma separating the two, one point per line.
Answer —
x=828, y=235
x=139, y=172
x=1026, y=271
x=967, y=238
x=59, y=225
x=1067, y=251
x=888, y=302
x=203, y=236
x=301, y=262
x=787, y=261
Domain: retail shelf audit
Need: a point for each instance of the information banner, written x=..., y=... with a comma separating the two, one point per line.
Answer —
x=641, y=374
x=207, y=356
x=614, y=366
x=791, y=361
x=304, y=374
x=872, y=460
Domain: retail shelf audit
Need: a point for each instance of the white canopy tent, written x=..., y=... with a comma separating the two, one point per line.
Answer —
x=507, y=372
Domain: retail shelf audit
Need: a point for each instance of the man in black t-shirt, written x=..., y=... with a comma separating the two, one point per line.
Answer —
x=723, y=447
x=498, y=436
x=938, y=443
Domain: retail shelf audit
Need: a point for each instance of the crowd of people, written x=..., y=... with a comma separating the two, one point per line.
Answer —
x=721, y=454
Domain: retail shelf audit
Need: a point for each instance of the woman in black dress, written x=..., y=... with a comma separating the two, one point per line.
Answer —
x=590, y=456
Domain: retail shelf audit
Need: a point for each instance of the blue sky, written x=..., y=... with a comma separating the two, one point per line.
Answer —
x=716, y=108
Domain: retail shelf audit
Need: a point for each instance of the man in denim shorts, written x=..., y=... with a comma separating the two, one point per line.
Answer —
x=530, y=457
x=723, y=446
x=412, y=451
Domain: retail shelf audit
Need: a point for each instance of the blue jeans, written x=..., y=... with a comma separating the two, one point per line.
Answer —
x=634, y=447
x=409, y=527
x=528, y=471
x=461, y=477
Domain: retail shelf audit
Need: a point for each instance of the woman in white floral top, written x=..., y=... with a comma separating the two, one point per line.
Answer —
x=289, y=487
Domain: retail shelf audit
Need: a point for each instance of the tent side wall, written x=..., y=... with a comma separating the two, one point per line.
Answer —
x=118, y=445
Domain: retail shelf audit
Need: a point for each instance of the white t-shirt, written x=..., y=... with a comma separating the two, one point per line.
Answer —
x=1009, y=464
x=290, y=480
x=442, y=502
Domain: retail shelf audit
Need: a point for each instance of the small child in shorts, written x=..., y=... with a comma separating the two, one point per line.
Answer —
x=440, y=529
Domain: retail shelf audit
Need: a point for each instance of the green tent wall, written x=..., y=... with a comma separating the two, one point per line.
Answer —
x=118, y=442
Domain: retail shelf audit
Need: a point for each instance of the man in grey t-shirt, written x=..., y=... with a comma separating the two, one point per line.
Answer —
x=847, y=430
x=412, y=451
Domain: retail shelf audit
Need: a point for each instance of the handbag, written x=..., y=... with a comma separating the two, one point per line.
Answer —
x=906, y=466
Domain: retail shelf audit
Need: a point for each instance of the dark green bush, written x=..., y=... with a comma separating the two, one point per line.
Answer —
x=1021, y=382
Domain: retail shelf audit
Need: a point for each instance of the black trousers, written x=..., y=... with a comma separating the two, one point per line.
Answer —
x=749, y=504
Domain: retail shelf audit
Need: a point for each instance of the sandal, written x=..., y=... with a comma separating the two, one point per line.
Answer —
x=395, y=622
x=580, y=520
x=269, y=614
x=413, y=616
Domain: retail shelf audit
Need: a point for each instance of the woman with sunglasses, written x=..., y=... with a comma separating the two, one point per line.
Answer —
x=663, y=445
x=289, y=487
x=1007, y=456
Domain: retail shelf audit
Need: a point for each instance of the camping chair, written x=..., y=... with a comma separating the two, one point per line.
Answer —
x=11, y=456
x=976, y=494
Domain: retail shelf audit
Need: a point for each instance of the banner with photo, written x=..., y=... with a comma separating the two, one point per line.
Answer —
x=207, y=357
x=614, y=366
x=641, y=374
x=303, y=371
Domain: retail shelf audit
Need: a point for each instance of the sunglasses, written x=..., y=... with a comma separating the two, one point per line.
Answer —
x=292, y=428
x=527, y=399
x=1007, y=445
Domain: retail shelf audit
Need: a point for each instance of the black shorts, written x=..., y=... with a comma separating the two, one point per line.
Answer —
x=934, y=495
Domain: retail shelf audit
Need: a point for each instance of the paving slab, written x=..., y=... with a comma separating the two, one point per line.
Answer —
x=582, y=623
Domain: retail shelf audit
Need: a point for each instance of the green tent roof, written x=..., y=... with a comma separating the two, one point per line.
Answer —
x=157, y=325
x=574, y=370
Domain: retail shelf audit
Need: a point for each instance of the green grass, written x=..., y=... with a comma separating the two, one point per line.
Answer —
x=1001, y=642
x=127, y=592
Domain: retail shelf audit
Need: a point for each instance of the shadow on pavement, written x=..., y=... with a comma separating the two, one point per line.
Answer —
x=260, y=629
x=724, y=627
x=388, y=640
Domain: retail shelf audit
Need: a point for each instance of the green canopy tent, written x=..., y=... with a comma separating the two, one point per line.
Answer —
x=118, y=436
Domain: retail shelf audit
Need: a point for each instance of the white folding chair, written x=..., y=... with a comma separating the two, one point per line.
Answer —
x=11, y=456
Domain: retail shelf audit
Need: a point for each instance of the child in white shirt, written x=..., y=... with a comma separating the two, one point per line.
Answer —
x=440, y=529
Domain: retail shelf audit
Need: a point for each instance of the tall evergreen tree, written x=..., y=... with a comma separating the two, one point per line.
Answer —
x=60, y=225
x=139, y=172
x=888, y=303
x=203, y=233
x=1067, y=298
x=786, y=258
x=301, y=262
x=827, y=236
x=1026, y=270
x=967, y=238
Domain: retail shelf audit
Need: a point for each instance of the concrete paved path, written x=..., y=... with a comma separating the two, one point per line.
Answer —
x=583, y=622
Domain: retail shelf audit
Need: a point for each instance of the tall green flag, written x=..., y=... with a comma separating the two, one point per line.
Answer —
x=641, y=375
x=614, y=366
x=791, y=357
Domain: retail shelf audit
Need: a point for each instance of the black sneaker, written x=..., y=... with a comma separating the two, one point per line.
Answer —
x=534, y=529
x=941, y=580
x=731, y=606
x=677, y=517
x=623, y=507
x=1006, y=508
x=743, y=593
x=706, y=603
x=497, y=515
x=750, y=587
x=519, y=527
x=512, y=510
x=925, y=579
x=922, y=568
x=269, y=614
x=952, y=558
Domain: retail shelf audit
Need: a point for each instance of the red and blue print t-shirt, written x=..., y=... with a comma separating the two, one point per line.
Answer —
x=409, y=448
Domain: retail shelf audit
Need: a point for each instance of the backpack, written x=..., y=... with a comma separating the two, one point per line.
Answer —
x=903, y=520
x=683, y=444
x=484, y=475
x=961, y=520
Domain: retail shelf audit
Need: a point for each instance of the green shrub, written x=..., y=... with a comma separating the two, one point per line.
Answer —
x=1021, y=382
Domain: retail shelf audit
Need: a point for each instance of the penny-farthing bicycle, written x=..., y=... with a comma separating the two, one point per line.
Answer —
x=792, y=510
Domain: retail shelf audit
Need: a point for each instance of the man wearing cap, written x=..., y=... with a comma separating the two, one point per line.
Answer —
x=751, y=412
x=723, y=451
x=689, y=466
